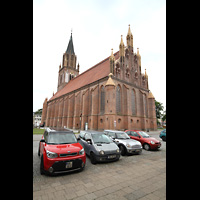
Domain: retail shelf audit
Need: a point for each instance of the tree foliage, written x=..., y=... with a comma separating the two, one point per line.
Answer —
x=159, y=109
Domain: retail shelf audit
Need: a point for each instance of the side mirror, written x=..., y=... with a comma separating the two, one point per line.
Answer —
x=89, y=141
x=42, y=140
x=139, y=136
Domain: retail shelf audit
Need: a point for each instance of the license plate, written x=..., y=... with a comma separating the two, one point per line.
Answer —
x=137, y=150
x=111, y=156
x=68, y=164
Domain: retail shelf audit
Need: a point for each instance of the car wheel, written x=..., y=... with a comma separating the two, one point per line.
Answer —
x=146, y=147
x=163, y=138
x=39, y=150
x=92, y=158
x=123, y=150
x=42, y=166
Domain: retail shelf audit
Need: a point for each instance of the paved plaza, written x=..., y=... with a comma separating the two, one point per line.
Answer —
x=140, y=177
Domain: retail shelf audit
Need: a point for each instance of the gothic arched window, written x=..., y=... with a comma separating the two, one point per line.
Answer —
x=102, y=105
x=145, y=105
x=118, y=99
x=133, y=102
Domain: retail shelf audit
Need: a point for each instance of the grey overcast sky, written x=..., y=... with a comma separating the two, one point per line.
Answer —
x=97, y=26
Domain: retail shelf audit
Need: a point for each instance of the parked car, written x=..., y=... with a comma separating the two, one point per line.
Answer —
x=99, y=146
x=163, y=135
x=42, y=124
x=146, y=141
x=60, y=152
x=124, y=142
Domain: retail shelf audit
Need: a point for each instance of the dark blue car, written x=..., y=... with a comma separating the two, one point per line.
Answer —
x=163, y=135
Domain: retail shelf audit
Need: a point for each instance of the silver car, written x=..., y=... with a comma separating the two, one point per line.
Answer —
x=99, y=146
x=124, y=142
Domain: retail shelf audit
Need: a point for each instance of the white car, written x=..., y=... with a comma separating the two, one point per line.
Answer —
x=124, y=142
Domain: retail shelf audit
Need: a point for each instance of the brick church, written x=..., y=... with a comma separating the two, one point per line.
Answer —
x=113, y=94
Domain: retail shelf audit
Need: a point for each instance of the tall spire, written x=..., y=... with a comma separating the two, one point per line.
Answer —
x=70, y=48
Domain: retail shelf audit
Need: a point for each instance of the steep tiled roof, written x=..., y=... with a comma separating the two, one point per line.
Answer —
x=99, y=71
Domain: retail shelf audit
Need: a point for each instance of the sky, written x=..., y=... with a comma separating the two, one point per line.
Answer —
x=97, y=26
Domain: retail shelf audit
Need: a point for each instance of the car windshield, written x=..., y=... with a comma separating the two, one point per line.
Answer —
x=143, y=134
x=122, y=135
x=61, y=138
x=101, y=138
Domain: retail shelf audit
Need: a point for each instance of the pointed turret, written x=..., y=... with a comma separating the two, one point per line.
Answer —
x=150, y=96
x=129, y=38
x=121, y=48
x=110, y=80
x=145, y=75
x=112, y=62
x=139, y=57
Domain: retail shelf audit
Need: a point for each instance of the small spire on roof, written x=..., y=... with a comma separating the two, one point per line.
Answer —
x=145, y=75
x=112, y=56
x=110, y=80
x=150, y=96
x=129, y=30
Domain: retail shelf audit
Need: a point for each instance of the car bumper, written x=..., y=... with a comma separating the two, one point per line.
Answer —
x=133, y=151
x=59, y=165
x=107, y=157
x=155, y=146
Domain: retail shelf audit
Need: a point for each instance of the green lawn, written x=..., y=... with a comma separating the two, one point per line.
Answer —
x=38, y=131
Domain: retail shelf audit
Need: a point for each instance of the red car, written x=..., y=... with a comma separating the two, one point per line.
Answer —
x=146, y=141
x=60, y=152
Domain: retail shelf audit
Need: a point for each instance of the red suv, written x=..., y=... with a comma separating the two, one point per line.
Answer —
x=146, y=141
x=60, y=152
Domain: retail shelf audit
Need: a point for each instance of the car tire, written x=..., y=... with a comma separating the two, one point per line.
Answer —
x=163, y=138
x=146, y=146
x=42, y=166
x=122, y=149
x=92, y=158
x=39, y=150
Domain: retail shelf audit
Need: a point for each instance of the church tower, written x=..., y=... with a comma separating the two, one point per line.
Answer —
x=68, y=70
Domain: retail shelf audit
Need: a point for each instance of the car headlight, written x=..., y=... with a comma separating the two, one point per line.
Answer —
x=51, y=154
x=117, y=150
x=81, y=152
x=152, y=142
x=128, y=145
x=101, y=152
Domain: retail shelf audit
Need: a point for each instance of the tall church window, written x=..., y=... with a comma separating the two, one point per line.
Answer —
x=66, y=77
x=118, y=99
x=90, y=102
x=102, y=105
x=133, y=102
x=145, y=105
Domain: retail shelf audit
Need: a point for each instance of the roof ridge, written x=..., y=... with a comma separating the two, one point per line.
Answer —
x=71, y=81
x=94, y=66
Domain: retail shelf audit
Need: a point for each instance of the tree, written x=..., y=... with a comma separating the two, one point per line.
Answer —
x=159, y=109
x=39, y=111
x=164, y=116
